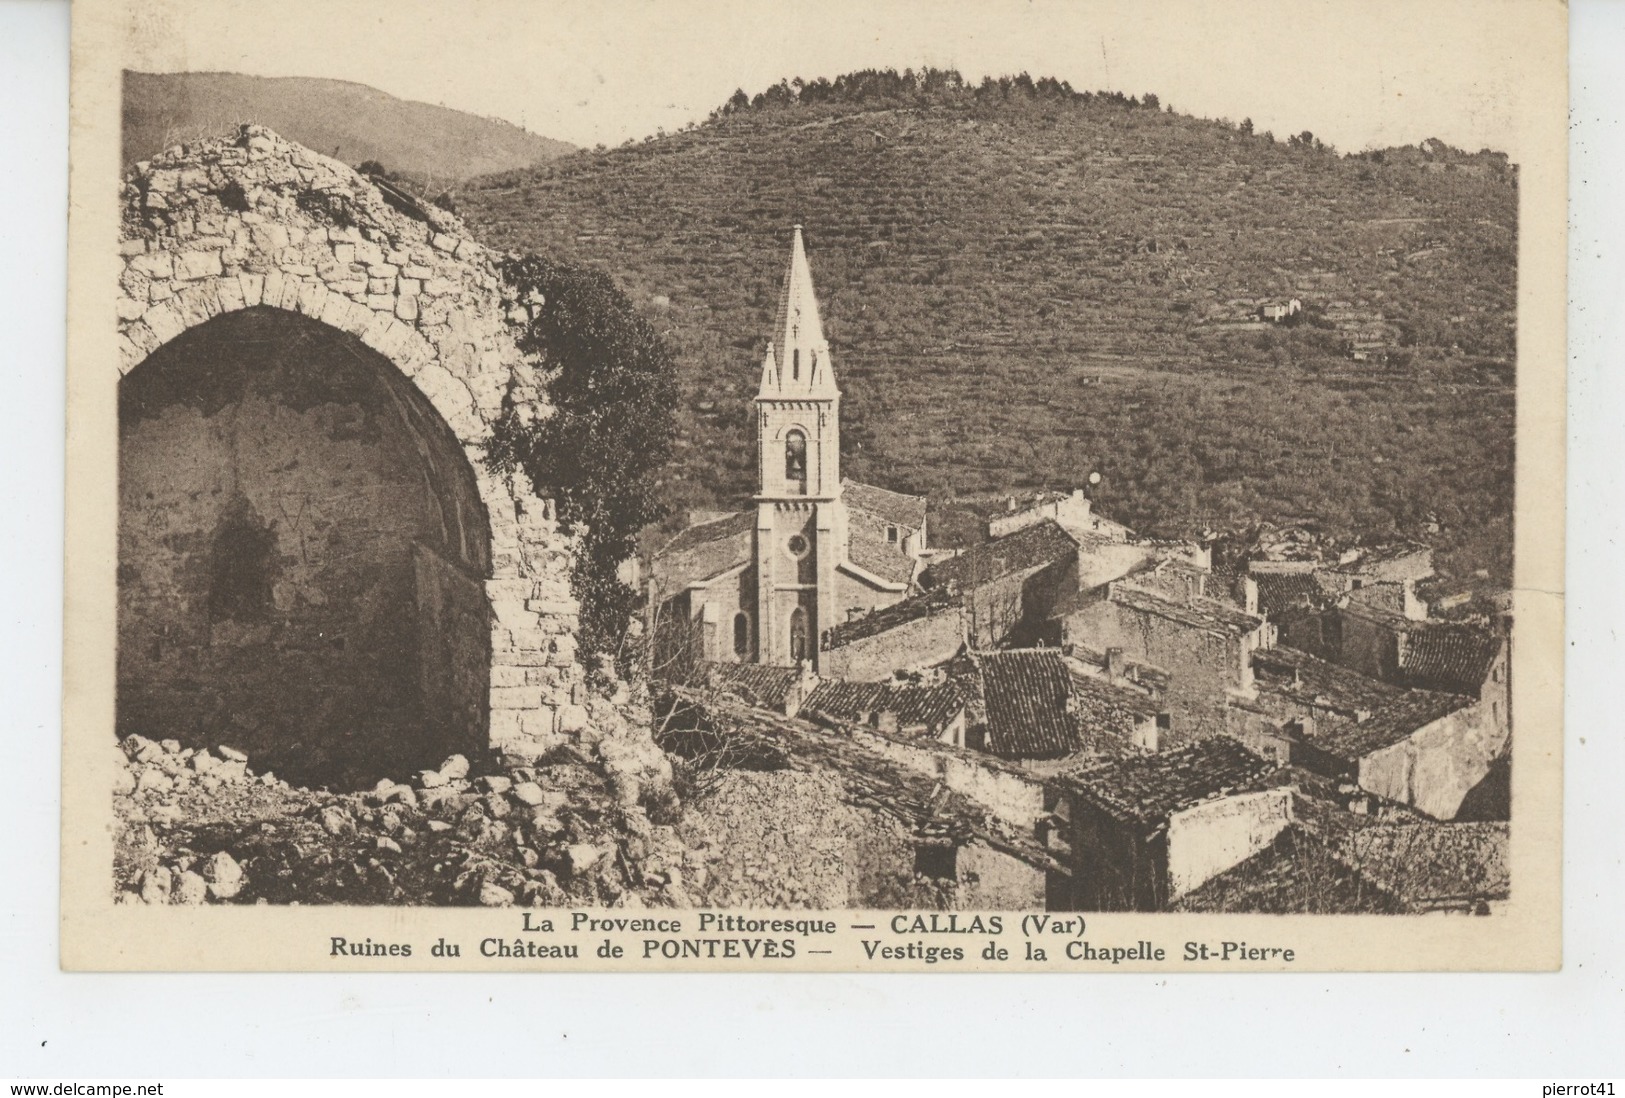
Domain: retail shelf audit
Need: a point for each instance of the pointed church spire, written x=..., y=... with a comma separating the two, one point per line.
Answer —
x=801, y=366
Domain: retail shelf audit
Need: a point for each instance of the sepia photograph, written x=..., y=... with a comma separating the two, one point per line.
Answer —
x=1044, y=478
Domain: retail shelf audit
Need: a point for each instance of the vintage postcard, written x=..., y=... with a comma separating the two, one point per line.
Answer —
x=856, y=486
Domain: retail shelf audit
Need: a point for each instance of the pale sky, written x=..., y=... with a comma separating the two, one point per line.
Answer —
x=1358, y=74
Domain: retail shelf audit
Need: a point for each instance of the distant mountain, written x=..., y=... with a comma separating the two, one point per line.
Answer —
x=350, y=122
x=1023, y=285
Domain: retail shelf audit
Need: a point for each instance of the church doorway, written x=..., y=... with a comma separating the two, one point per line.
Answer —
x=798, y=634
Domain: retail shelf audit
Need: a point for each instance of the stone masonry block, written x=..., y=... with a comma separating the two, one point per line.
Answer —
x=191, y=266
x=541, y=721
x=272, y=288
x=312, y=298
x=164, y=321
x=515, y=697
x=508, y=676
x=230, y=293
x=384, y=334
x=142, y=337
x=155, y=265
x=130, y=356
x=199, y=303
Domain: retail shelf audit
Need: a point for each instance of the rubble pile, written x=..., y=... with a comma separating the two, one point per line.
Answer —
x=792, y=839
x=573, y=827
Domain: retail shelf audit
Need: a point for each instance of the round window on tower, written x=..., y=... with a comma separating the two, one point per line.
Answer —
x=797, y=546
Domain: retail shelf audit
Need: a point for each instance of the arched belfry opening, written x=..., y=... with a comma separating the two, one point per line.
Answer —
x=303, y=555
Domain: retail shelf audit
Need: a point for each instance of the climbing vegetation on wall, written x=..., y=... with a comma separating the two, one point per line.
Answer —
x=612, y=385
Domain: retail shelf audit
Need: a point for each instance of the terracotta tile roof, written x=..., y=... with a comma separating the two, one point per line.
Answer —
x=1379, y=615
x=1381, y=555
x=1455, y=658
x=1025, y=694
x=1310, y=681
x=1202, y=613
x=1433, y=866
x=755, y=683
x=1401, y=717
x=1278, y=591
x=877, y=557
x=1100, y=706
x=706, y=532
x=899, y=613
x=1151, y=677
x=1147, y=789
x=1370, y=715
x=932, y=707
x=1296, y=874
x=1034, y=546
x=884, y=504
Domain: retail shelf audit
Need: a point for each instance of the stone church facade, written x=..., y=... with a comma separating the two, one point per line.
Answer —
x=765, y=584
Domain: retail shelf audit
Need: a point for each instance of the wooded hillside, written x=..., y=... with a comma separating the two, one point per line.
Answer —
x=1023, y=285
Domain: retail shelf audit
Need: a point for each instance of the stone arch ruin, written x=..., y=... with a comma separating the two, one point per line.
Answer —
x=316, y=564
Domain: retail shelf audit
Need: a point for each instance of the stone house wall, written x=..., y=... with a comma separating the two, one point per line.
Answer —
x=923, y=642
x=1009, y=793
x=1014, y=609
x=1114, y=866
x=1434, y=769
x=1203, y=666
x=1366, y=646
x=991, y=880
x=1209, y=838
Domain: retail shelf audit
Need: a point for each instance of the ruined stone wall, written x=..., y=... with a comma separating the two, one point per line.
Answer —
x=254, y=223
x=1115, y=866
x=453, y=647
x=271, y=492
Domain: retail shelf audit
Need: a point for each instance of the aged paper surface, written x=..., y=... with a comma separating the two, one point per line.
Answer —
x=1037, y=721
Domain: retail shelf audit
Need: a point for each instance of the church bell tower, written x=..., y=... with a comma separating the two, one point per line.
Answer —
x=800, y=521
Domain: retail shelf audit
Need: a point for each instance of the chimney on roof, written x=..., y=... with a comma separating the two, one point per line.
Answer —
x=1010, y=504
x=1115, y=665
x=1303, y=728
x=1249, y=594
x=886, y=720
